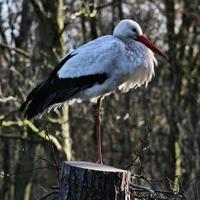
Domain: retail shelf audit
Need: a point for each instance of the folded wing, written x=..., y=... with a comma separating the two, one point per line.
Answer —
x=83, y=68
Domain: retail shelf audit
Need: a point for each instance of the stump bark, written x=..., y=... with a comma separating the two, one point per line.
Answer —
x=91, y=181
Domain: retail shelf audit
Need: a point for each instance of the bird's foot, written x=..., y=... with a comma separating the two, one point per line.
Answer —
x=99, y=162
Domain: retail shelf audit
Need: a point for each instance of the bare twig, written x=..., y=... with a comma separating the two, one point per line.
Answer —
x=38, y=6
x=48, y=195
x=144, y=189
x=25, y=172
x=17, y=50
x=41, y=134
x=143, y=147
x=152, y=192
x=82, y=11
x=54, y=156
x=46, y=160
x=6, y=99
x=18, y=137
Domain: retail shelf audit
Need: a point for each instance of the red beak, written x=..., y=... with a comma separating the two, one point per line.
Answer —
x=151, y=46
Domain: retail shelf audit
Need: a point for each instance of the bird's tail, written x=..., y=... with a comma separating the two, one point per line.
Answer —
x=36, y=101
x=42, y=97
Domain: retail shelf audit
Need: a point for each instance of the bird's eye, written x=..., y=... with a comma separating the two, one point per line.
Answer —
x=134, y=30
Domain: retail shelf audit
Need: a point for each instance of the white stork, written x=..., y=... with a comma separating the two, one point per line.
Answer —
x=121, y=61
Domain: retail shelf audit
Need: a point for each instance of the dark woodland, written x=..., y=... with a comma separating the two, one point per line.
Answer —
x=152, y=131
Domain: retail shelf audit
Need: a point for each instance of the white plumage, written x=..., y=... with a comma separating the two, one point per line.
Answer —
x=128, y=64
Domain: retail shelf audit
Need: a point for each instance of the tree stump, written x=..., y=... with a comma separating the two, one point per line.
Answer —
x=91, y=181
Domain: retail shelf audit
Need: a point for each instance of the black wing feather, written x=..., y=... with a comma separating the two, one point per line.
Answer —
x=55, y=90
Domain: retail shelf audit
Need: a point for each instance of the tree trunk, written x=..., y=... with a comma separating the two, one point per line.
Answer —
x=66, y=138
x=50, y=27
x=91, y=181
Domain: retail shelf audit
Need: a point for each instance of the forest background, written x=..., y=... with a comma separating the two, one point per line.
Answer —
x=153, y=131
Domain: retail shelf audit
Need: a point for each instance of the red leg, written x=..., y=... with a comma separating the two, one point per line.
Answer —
x=98, y=130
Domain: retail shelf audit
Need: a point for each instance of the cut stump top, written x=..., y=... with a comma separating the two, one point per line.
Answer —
x=93, y=166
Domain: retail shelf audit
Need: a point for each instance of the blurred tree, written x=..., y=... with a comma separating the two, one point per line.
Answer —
x=33, y=37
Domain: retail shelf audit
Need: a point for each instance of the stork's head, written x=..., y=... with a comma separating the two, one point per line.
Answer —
x=129, y=29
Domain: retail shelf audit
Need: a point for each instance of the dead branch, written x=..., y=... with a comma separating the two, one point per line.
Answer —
x=17, y=50
x=41, y=134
